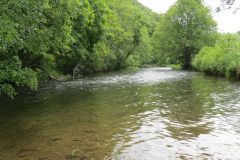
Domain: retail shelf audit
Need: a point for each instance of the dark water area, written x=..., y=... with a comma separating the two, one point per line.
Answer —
x=144, y=114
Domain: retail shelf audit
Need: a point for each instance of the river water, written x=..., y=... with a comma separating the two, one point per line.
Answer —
x=141, y=114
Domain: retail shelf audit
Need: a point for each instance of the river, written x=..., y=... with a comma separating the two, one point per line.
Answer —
x=134, y=114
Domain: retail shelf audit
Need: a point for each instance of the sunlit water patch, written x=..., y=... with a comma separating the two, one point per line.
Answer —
x=144, y=76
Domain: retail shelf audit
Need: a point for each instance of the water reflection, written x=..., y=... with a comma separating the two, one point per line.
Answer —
x=135, y=114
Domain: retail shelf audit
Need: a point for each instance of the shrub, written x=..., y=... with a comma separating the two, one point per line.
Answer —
x=222, y=59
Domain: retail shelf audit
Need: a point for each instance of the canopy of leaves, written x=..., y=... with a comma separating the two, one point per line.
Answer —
x=40, y=40
x=182, y=32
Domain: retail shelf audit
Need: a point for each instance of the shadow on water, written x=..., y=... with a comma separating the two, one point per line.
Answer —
x=151, y=113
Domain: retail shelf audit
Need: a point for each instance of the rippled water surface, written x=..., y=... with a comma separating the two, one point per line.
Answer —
x=146, y=114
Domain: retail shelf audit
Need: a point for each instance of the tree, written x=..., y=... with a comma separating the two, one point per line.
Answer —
x=137, y=23
x=183, y=31
x=88, y=27
x=12, y=75
x=43, y=39
x=32, y=33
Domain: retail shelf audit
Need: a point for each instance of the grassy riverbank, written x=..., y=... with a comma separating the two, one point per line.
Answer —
x=222, y=59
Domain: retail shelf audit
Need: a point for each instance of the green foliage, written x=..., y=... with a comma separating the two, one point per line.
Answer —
x=143, y=53
x=32, y=33
x=107, y=35
x=138, y=23
x=40, y=40
x=12, y=74
x=222, y=59
x=88, y=25
x=182, y=32
x=175, y=66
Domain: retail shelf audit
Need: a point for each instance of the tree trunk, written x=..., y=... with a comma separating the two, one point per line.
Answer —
x=187, y=59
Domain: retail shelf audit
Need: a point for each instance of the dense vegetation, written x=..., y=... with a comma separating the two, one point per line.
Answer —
x=186, y=37
x=41, y=40
x=182, y=32
x=222, y=59
x=60, y=39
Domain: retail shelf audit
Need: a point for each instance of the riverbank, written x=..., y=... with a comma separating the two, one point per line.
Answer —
x=222, y=59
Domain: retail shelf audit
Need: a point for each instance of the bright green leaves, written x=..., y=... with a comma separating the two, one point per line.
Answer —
x=107, y=34
x=42, y=39
x=183, y=31
x=137, y=24
x=221, y=59
x=88, y=27
x=31, y=34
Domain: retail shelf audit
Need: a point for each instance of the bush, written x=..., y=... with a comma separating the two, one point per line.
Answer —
x=222, y=59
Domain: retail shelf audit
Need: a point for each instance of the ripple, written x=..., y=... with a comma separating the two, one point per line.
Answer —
x=144, y=76
x=147, y=114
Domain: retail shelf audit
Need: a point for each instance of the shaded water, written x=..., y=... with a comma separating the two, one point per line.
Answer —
x=146, y=114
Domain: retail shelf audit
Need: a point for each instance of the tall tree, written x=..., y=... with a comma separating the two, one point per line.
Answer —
x=183, y=31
